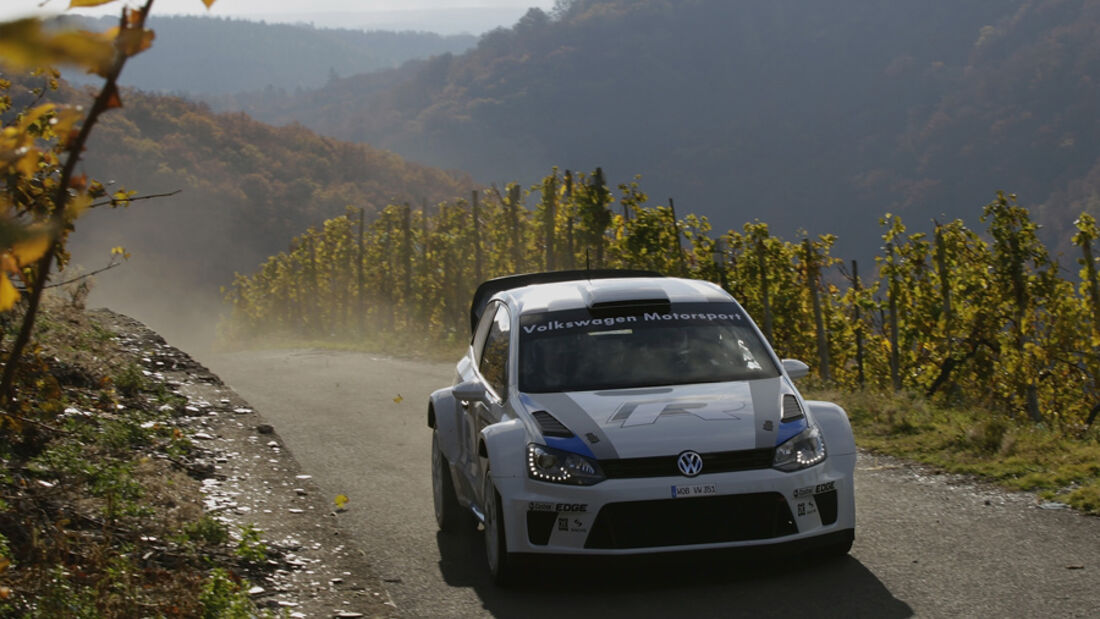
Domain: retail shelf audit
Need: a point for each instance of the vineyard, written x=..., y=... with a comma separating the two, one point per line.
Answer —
x=985, y=318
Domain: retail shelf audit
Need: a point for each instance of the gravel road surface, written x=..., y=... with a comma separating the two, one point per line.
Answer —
x=926, y=545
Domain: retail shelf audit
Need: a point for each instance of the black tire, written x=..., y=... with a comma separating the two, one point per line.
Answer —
x=839, y=548
x=503, y=565
x=449, y=513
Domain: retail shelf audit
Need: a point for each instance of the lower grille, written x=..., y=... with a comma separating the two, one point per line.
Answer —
x=826, y=506
x=681, y=522
x=539, y=527
x=665, y=466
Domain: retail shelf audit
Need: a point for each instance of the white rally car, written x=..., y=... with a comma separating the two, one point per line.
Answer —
x=619, y=412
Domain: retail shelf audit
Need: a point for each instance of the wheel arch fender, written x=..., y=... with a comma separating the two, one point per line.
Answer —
x=443, y=417
x=833, y=421
x=505, y=445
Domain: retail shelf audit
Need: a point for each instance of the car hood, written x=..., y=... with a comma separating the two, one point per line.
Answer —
x=660, y=421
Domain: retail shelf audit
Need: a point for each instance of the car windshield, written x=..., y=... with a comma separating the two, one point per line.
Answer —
x=574, y=350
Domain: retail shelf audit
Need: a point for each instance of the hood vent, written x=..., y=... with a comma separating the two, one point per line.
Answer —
x=551, y=426
x=791, y=409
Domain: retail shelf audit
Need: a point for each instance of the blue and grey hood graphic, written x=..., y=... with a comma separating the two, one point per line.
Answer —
x=662, y=421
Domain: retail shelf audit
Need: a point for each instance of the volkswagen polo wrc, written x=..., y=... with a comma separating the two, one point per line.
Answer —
x=620, y=412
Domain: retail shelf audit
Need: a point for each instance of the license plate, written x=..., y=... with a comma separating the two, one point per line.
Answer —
x=694, y=490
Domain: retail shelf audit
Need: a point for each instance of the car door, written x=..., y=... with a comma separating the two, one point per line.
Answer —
x=493, y=366
x=491, y=348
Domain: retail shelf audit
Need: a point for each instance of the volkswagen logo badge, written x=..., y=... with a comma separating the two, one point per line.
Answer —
x=690, y=463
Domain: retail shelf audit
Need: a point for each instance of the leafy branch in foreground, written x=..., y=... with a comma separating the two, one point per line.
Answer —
x=38, y=186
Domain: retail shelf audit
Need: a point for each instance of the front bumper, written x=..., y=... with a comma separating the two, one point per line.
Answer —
x=668, y=514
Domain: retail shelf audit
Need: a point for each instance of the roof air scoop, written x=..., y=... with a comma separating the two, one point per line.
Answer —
x=626, y=300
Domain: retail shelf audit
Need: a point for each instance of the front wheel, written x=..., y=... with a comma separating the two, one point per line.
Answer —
x=838, y=548
x=449, y=513
x=503, y=565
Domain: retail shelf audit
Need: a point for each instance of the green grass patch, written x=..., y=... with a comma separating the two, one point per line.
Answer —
x=1061, y=464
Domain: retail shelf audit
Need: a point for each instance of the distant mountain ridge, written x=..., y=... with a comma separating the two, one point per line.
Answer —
x=205, y=56
x=806, y=115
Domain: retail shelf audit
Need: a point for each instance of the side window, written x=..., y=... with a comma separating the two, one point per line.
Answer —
x=494, y=357
x=478, y=343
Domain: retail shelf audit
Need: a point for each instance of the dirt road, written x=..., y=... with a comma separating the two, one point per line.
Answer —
x=926, y=545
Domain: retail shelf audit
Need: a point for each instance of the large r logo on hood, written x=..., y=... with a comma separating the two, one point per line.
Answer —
x=645, y=413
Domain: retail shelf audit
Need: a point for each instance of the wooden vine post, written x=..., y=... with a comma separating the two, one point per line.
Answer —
x=813, y=277
x=892, y=301
x=762, y=267
x=857, y=285
x=478, y=259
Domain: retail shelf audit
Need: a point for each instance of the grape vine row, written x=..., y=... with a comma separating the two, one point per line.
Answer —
x=971, y=318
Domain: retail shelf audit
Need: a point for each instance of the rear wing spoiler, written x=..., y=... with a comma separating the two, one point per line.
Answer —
x=489, y=288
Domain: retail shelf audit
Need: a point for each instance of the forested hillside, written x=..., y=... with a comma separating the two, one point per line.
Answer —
x=202, y=56
x=245, y=190
x=806, y=114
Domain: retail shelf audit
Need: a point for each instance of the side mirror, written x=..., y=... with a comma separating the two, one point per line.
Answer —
x=795, y=368
x=470, y=391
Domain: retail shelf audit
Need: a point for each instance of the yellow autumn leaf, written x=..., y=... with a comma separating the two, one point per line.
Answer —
x=5, y=593
x=24, y=44
x=4, y=563
x=398, y=399
x=26, y=252
x=132, y=41
x=208, y=3
x=8, y=294
x=341, y=500
x=77, y=205
x=79, y=3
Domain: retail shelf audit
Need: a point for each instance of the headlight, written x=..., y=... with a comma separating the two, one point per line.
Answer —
x=802, y=451
x=562, y=467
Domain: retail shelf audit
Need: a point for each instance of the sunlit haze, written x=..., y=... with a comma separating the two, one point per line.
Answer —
x=444, y=16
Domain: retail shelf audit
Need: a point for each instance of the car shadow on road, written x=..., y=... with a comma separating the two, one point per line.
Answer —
x=712, y=584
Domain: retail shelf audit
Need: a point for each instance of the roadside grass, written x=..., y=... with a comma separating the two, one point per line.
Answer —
x=98, y=516
x=1060, y=464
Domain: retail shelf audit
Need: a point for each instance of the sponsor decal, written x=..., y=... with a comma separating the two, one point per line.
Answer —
x=536, y=506
x=818, y=489
x=654, y=316
x=559, y=325
x=563, y=524
x=592, y=438
x=612, y=321
x=769, y=426
x=646, y=413
x=571, y=507
x=803, y=492
x=807, y=509
x=694, y=490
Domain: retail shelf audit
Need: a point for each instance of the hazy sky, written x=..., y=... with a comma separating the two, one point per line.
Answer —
x=438, y=15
